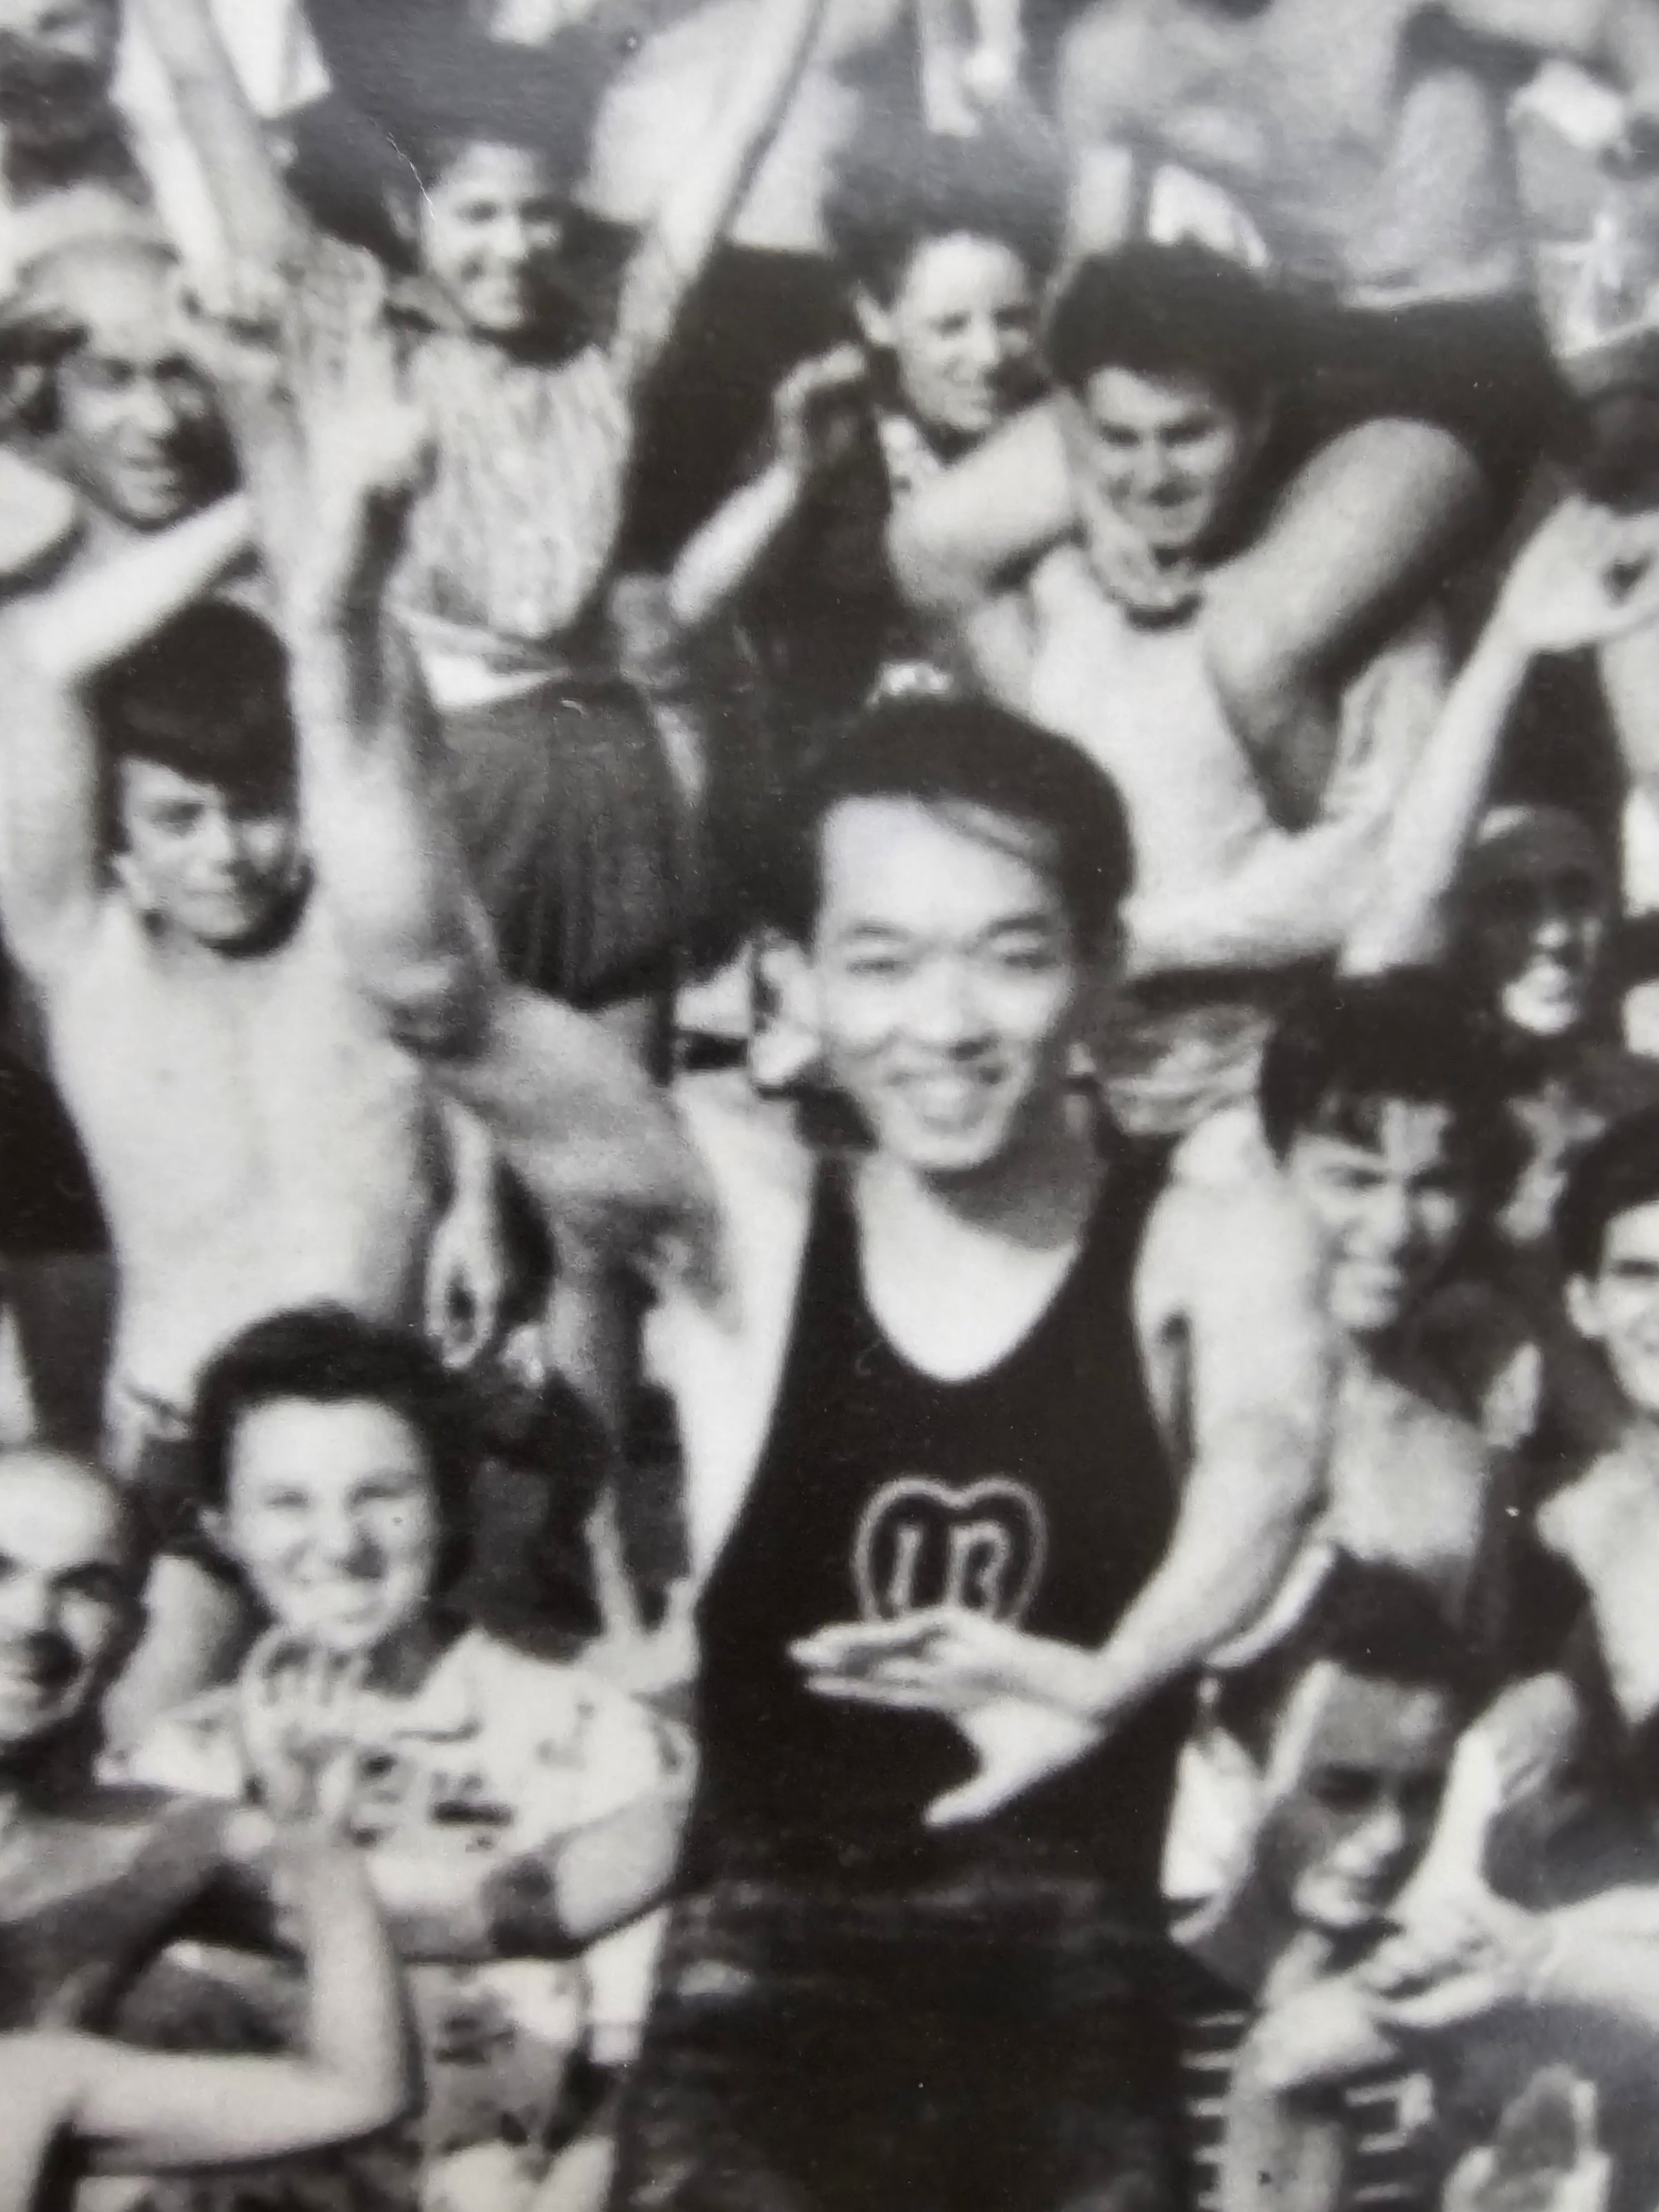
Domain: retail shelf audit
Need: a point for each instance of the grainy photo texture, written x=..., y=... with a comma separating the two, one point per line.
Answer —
x=829, y=1105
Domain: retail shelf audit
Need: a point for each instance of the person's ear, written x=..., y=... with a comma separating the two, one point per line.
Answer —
x=875, y=322
x=1584, y=1307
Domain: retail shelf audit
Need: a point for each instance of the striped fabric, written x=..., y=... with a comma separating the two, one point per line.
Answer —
x=1385, y=2176
x=517, y=531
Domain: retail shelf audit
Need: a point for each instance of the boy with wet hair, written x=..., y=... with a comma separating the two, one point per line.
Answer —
x=253, y=1138
x=1172, y=361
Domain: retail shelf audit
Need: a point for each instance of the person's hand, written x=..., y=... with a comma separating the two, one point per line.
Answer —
x=235, y=318
x=298, y=1709
x=1455, y=1962
x=1546, y=2156
x=811, y=411
x=467, y=1275
x=1585, y=576
x=1020, y=1702
x=1119, y=558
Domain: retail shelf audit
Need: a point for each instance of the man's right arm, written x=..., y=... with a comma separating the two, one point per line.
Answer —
x=594, y=1138
x=52, y=649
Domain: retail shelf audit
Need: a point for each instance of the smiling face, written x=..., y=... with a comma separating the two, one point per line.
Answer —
x=946, y=980
x=137, y=429
x=217, y=865
x=1172, y=454
x=962, y=330
x=1537, y=941
x=1350, y=1830
x=70, y=1582
x=1389, y=1209
x=332, y=1513
x=489, y=232
x=57, y=63
x=1618, y=1307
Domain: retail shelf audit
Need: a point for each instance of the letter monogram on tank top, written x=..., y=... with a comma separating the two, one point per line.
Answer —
x=922, y=1542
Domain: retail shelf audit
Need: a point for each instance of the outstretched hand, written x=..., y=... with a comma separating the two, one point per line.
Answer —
x=299, y=1719
x=1586, y=575
x=1020, y=1702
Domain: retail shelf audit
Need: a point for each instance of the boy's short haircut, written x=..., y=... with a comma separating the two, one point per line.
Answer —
x=896, y=187
x=1180, y=310
x=1369, y=1618
x=1347, y=1047
x=207, y=697
x=327, y=1355
x=1614, y=1175
x=966, y=754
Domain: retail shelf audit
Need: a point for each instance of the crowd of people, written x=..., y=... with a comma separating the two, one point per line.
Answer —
x=830, y=1105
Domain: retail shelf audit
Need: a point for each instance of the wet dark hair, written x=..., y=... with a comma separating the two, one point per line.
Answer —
x=963, y=753
x=896, y=187
x=1346, y=1048
x=1372, y=1619
x=206, y=697
x=1614, y=1175
x=1170, y=310
x=325, y=1355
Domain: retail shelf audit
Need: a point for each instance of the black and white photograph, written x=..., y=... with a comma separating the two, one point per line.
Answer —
x=829, y=1105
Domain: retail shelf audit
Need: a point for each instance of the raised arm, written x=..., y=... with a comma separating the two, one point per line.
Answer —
x=983, y=523
x=144, y=2113
x=682, y=238
x=261, y=222
x=53, y=648
x=1584, y=579
x=592, y=1137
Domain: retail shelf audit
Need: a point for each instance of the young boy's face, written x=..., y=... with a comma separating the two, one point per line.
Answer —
x=1618, y=1307
x=1350, y=1831
x=1388, y=1206
x=219, y=866
x=947, y=980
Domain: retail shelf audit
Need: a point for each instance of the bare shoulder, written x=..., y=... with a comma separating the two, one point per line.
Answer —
x=759, y=1173
x=1242, y=1250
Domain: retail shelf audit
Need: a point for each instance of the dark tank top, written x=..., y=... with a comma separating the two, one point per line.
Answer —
x=1037, y=1492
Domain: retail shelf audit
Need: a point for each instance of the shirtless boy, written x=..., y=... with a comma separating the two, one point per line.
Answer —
x=1174, y=359
x=1383, y=1101
x=255, y=1141
x=1367, y=142
x=918, y=1674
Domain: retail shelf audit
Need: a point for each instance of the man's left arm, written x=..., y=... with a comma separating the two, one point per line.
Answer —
x=1237, y=1275
x=1237, y=1278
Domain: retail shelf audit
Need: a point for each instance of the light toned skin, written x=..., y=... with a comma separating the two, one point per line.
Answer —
x=256, y=1142
x=960, y=332
x=1390, y=180
x=136, y=430
x=1165, y=460
x=949, y=1011
x=1333, y=1855
x=97, y=1877
x=1586, y=579
x=331, y=1514
x=141, y=2111
x=1411, y=1481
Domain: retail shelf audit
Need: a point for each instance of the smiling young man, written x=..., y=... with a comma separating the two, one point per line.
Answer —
x=932, y=1396
x=1385, y=1104
x=1170, y=362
